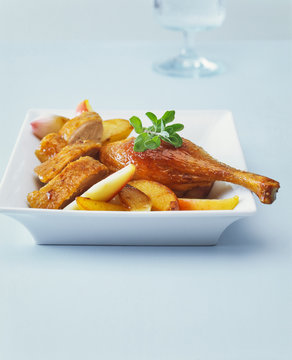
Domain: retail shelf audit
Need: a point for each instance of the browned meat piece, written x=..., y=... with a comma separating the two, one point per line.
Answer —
x=185, y=165
x=86, y=126
x=73, y=180
x=196, y=190
x=50, y=168
x=50, y=145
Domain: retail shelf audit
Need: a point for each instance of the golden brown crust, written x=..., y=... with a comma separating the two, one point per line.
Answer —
x=86, y=126
x=165, y=164
x=50, y=145
x=50, y=168
x=188, y=164
x=72, y=181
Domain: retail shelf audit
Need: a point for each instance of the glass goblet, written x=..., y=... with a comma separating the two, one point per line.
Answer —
x=190, y=17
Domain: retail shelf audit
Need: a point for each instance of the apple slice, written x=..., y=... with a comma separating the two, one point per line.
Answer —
x=83, y=106
x=45, y=125
x=208, y=204
x=163, y=199
x=134, y=199
x=85, y=203
x=107, y=188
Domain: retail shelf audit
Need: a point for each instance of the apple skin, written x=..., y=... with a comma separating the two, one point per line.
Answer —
x=83, y=106
x=45, y=125
x=208, y=204
x=107, y=188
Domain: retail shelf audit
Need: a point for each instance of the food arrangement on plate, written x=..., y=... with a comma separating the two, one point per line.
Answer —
x=88, y=163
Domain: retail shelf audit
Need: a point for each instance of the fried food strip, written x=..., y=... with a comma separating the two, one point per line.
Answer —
x=50, y=145
x=73, y=180
x=85, y=203
x=208, y=204
x=50, y=168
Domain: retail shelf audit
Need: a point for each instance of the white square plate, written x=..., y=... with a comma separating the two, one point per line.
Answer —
x=213, y=130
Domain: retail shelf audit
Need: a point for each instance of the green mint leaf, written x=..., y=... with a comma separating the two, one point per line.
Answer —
x=165, y=134
x=139, y=144
x=151, y=128
x=137, y=124
x=168, y=116
x=162, y=125
x=152, y=117
x=166, y=139
x=171, y=129
x=153, y=143
x=158, y=126
x=150, y=137
x=176, y=140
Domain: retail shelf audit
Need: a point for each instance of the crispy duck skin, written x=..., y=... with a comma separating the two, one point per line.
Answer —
x=86, y=126
x=188, y=164
x=72, y=181
x=53, y=166
x=49, y=146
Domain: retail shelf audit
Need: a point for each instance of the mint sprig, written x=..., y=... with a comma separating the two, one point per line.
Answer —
x=150, y=137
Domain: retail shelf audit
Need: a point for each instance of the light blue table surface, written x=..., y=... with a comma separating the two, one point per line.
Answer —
x=228, y=302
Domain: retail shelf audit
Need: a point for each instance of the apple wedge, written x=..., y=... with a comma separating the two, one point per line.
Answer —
x=107, y=188
x=208, y=204
x=162, y=198
x=85, y=203
x=45, y=125
x=115, y=130
x=83, y=106
x=134, y=199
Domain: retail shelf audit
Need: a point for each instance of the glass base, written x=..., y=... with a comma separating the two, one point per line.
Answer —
x=188, y=67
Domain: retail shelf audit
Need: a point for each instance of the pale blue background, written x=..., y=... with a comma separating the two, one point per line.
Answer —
x=133, y=20
x=229, y=302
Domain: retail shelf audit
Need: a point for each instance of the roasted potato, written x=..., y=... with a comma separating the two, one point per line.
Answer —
x=163, y=199
x=115, y=130
x=135, y=199
x=94, y=205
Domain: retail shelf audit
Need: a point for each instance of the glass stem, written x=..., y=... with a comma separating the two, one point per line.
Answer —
x=189, y=45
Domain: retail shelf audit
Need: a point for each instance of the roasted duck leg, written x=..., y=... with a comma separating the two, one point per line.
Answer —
x=189, y=164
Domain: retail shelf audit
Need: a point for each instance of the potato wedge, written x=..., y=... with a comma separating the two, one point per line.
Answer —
x=115, y=130
x=163, y=199
x=208, y=204
x=94, y=205
x=135, y=199
x=107, y=188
